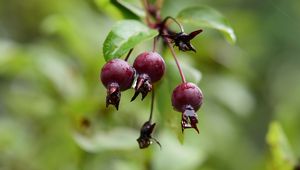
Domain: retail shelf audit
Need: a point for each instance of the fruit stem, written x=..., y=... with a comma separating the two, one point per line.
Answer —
x=152, y=105
x=176, y=60
x=147, y=18
x=159, y=4
x=164, y=29
x=128, y=55
x=169, y=17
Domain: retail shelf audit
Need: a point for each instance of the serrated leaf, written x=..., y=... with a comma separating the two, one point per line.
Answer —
x=125, y=35
x=134, y=6
x=204, y=16
x=282, y=157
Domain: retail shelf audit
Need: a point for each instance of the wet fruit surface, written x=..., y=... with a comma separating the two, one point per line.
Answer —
x=150, y=63
x=117, y=71
x=116, y=75
x=187, y=94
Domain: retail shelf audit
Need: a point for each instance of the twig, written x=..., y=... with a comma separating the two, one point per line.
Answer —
x=128, y=55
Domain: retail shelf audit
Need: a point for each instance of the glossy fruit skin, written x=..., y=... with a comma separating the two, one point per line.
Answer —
x=117, y=71
x=187, y=95
x=150, y=63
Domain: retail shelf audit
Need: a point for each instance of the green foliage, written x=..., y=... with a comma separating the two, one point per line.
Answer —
x=204, y=16
x=125, y=35
x=49, y=83
x=107, y=7
x=107, y=140
x=134, y=6
x=282, y=157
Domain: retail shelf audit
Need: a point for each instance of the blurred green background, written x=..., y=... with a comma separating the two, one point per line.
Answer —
x=52, y=105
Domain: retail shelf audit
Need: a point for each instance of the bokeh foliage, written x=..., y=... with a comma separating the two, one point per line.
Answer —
x=52, y=105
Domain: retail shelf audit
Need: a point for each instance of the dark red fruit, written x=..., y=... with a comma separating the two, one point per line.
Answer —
x=187, y=98
x=116, y=75
x=150, y=67
x=150, y=63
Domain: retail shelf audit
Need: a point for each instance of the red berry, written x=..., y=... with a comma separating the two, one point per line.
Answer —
x=187, y=94
x=150, y=63
x=116, y=75
x=150, y=67
x=187, y=98
x=117, y=71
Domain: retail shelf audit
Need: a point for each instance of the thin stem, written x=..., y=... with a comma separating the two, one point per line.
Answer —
x=164, y=31
x=159, y=4
x=169, y=17
x=146, y=7
x=146, y=3
x=152, y=105
x=154, y=43
x=128, y=55
x=175, y=58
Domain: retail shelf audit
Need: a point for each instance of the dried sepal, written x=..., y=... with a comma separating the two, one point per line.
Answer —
x=189, y=119
x=113, y=95
x=143, y=86
x=146, y=138
x=182, y=40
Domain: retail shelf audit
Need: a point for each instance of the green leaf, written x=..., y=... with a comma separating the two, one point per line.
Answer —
x=116, y=10
x=125, y=35
x=204, y=16
x=282, y=157
x=134, y=6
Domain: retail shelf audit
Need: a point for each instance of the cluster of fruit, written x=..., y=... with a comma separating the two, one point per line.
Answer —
x=117, y=75
x=148, y=68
